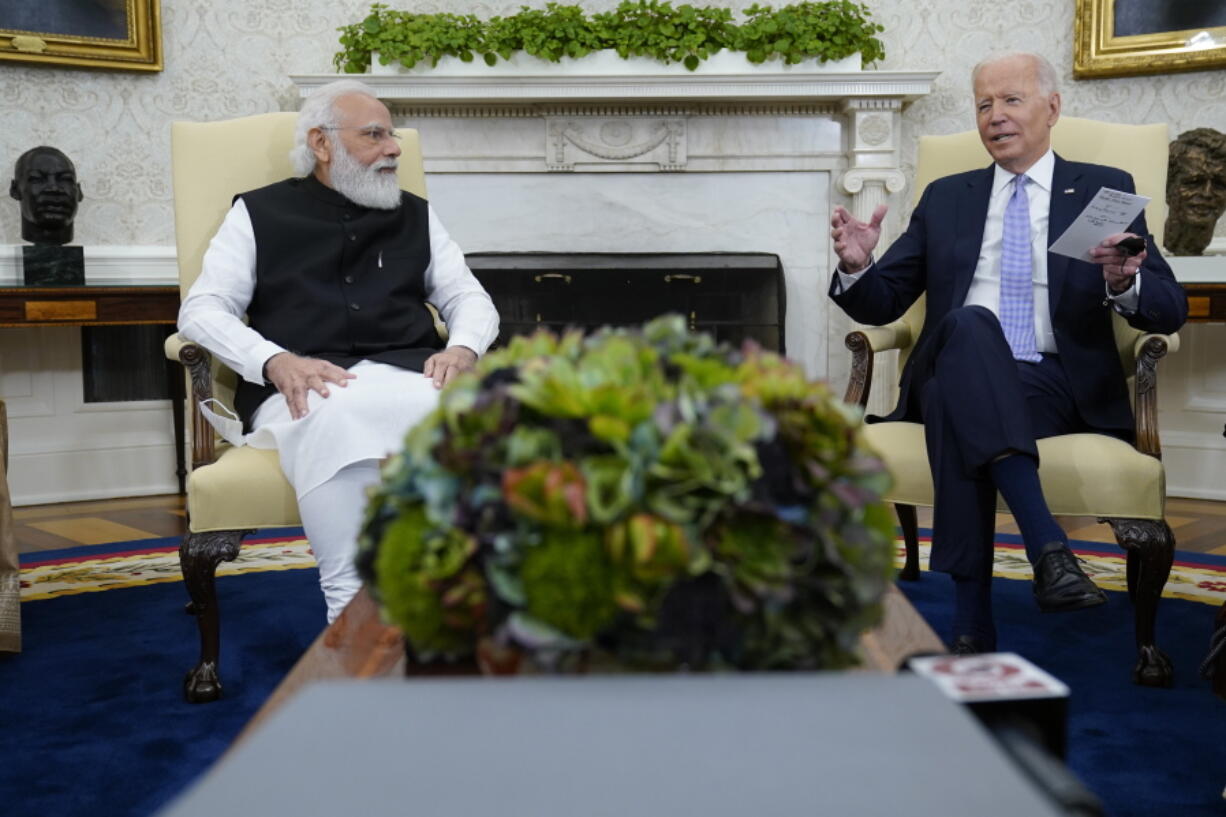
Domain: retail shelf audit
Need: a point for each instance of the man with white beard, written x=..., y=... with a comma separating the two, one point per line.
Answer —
x=333, y=271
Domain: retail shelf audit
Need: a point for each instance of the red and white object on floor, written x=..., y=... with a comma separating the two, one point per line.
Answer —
x=988, y=677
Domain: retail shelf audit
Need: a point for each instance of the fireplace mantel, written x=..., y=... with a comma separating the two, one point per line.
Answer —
x=655, y=110
x=500, y=89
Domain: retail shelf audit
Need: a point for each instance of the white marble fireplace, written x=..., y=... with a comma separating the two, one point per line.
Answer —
x=663, y=163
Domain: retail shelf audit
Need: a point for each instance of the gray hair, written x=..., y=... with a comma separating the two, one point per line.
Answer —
x=1043, y=70
x=1207, y=139
x=319, y=111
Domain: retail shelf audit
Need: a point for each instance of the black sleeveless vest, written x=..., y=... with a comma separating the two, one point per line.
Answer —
x=338, y=281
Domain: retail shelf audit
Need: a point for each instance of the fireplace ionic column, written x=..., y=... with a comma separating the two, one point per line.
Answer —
x=874, y=178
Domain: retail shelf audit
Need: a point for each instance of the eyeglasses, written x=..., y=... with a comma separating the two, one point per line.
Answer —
x=372, y=134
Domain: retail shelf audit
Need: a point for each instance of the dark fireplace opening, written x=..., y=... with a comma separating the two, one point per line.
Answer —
x=732, y=296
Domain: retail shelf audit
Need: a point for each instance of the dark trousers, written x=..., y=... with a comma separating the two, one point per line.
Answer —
x=978, y=403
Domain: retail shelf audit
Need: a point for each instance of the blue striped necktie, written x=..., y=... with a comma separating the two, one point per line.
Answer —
x=1016, y=287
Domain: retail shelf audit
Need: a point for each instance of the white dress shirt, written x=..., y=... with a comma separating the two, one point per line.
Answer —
x=985, y=284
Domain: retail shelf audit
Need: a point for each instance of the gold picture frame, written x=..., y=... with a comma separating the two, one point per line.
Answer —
x=1098, y=52
x=124, y=35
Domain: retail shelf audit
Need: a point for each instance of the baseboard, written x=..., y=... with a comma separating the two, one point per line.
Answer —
x=1195, y=465
x=73, y=476
x=1185, y=492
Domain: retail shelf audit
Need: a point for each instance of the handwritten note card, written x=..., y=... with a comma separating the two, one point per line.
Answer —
x=1108, y=213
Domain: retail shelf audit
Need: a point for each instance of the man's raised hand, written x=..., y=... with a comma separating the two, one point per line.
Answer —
x=854, y=240
x=294, y=376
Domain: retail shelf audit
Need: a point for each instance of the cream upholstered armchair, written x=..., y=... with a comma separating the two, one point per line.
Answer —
x=231, y=492
x=1081, y=474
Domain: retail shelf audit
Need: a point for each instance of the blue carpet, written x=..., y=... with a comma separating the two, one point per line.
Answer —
x=1144, y=752
x=92, y=715
x=92, y=719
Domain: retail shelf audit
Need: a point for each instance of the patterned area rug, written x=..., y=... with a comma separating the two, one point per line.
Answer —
x=1194, y=577
x=133, y=564
x=99, y=659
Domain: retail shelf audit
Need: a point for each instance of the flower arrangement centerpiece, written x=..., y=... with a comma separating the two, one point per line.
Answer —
x=632, y=498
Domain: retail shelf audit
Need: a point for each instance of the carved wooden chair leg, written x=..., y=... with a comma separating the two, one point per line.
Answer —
x=199, y=555
x=1131, y=569
x=1213, y=668
x=909, y=523
x=1150, y=545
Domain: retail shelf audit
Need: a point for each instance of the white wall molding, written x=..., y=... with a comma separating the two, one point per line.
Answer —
x=1196, y=269
x=510, y=88
x=1217, y=246
x=107, y=264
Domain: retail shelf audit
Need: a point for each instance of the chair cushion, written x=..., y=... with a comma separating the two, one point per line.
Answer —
x=243, y=488
x=1082, y=474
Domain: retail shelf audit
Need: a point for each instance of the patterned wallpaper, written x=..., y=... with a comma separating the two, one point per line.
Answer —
x=228, y=58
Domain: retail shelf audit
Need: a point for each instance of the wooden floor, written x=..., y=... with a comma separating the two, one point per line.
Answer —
x=69, y=524
x=1199, y=525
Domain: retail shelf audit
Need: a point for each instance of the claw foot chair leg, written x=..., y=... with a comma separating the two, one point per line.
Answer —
x=1150, y=546
x=1214, y=666
x=909, y=523
x=199, y=555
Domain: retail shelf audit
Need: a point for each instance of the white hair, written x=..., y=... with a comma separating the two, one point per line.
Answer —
x=366, y=185
x=319, y=111
x=1044, y=73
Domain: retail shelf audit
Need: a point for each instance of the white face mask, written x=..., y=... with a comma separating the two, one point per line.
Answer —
x=228, y=426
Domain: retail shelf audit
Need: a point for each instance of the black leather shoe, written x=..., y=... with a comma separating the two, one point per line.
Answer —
x=1060, y=584
x=969, y=645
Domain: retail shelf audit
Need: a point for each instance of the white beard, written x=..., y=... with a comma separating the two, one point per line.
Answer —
x=363, y=184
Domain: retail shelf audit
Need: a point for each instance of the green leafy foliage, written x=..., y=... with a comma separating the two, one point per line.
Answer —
x=653, y=28
x=408, y=38
x=687, y=34
x=640, y=497
x=828, y=30
x=427, y=584
x=568, y=583
x=551, y=33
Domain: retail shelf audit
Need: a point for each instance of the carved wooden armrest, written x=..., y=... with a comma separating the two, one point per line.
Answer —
x=198, y=363
x=864, y=343
x=1149, y=349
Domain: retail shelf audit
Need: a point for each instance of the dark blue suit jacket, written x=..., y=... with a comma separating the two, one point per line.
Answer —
x=940, y=249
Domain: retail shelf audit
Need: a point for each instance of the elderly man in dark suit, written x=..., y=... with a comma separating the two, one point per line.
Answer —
x=1017, y=343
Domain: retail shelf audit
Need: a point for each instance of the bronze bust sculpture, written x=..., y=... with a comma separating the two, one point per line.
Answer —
x=45, y=182
x=1195, y=190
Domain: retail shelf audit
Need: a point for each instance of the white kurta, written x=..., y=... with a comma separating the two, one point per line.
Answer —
x=366, y=419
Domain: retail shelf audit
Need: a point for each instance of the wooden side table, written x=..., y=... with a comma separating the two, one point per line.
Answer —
x=108, y=304
x=1207, y=301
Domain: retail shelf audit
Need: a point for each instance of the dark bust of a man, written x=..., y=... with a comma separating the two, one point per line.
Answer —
x=1195, y=190
x=45, y=182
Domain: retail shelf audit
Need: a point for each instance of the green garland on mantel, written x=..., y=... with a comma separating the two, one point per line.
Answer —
x=829, y=30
